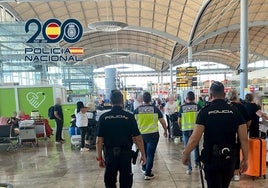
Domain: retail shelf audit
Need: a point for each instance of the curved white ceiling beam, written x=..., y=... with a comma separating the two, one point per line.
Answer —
x=199, y=52
x=107, y=52
x=158, y=33
x=197, y=20
x=219, y=48
x=11, y=10
x=148, y=31
x=227, y=29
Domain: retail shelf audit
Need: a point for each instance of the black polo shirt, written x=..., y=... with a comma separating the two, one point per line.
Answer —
x=242, y=110
x=58, y=108
x=252, y=108
x=117, y=127
x=221, y=121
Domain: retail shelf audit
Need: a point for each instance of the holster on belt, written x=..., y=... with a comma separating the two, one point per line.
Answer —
x=217, y=153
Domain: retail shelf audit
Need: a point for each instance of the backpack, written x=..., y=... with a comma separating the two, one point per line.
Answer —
x=51, y=113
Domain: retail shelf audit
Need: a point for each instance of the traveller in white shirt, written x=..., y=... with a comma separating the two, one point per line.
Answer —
x=171, y=107
x=82, y=122
x=138, y=102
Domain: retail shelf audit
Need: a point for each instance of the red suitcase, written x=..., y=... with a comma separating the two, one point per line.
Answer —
x=256, y=158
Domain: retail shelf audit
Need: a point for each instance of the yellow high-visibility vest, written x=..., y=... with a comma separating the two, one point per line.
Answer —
x=188, y=120
x=147, y=123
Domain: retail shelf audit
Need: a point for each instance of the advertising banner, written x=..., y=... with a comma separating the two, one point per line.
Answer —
x=36, y=98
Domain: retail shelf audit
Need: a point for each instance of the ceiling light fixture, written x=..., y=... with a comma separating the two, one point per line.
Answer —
x=117, y=55
x=107, y=26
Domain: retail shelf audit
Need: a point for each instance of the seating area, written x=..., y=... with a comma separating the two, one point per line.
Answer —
x=8, y=138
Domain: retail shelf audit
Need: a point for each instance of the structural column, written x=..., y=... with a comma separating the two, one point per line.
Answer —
x=243, y=47
x=190, y=59
x=158, y=83
x=1, y=73
x=161, y=81
x=190, y=55
x=171, y=77
x=69, y=78
x=110, y=79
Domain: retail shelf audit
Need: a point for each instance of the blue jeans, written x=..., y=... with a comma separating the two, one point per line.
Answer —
x=185, y=137
x=150, y=144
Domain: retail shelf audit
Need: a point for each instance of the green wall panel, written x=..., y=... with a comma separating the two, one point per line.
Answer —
x=68, y=110
x=7, y=101
x=35, y=99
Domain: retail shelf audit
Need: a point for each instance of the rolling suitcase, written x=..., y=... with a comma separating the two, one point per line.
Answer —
x=256, y=158
x=74, y=133
x=174, y=129
x=73, y=130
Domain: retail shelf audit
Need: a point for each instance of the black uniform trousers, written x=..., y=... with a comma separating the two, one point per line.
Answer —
x=59, y=126
x=237, y=154
x=118, y=159
x=219, y=172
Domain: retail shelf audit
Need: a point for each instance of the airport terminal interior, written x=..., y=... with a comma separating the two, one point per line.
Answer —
x=80, y=50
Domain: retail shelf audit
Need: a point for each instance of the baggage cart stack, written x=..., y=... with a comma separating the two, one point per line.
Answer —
x=27, y=132
x=40, y=129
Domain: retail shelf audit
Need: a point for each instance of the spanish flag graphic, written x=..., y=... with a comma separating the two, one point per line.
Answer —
x=53, y=31
x=76, y=50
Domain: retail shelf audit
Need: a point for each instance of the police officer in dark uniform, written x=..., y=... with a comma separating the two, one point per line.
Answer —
x=220, y=122
x=117, y=129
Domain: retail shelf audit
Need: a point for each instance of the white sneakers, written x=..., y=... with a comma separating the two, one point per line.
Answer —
x=149, y=177
x=142, y=171
x=188, y=172
x=84, y=149
x=236, y=177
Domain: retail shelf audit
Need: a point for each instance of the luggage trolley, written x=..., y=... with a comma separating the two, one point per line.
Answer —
x=40, y=128
x=27, y=132
x=174, y=130
x=74, y=133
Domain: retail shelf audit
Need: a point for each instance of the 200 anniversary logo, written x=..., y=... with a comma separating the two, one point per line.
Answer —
x=53, y=31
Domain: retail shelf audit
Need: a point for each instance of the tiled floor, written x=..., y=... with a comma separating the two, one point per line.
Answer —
x=58, y=166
